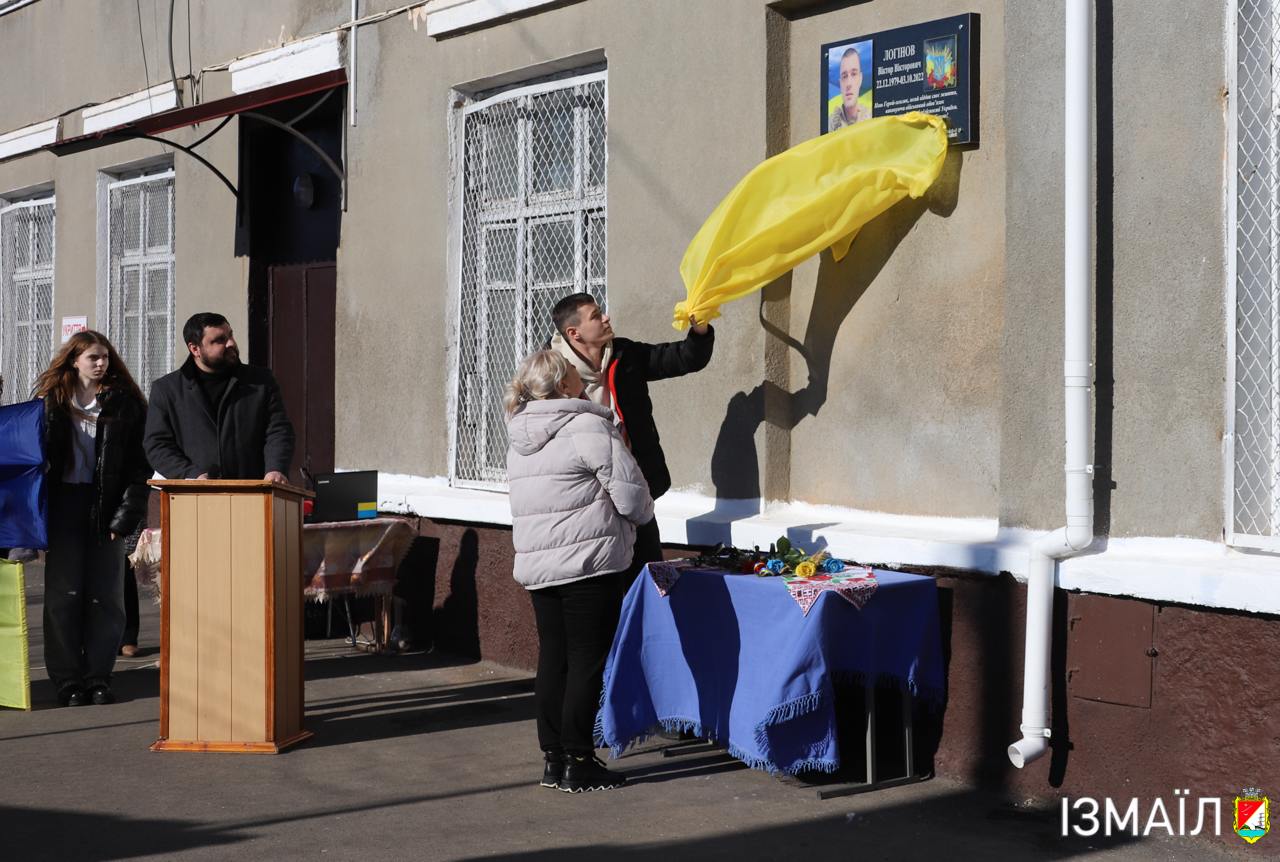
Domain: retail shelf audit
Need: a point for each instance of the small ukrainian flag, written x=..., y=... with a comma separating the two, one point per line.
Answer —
x=366, y=510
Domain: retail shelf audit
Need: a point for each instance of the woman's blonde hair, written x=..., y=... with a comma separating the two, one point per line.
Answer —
x=538, y=379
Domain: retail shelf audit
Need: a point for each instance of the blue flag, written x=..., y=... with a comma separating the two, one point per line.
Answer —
x=23, y=508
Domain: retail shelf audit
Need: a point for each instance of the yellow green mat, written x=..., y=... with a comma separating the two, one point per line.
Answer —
x=15, y=668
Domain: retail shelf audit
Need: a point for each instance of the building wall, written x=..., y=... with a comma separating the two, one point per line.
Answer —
x=396, y=316
x=1160, y=272
x=904, y=375
x=932, y=371
x=1204, y=727
x=207, y=275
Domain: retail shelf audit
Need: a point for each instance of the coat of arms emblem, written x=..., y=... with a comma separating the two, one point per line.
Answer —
x=1252, y=815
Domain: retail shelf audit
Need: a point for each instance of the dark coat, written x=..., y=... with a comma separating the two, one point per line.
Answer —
x=636, y=364
x=120, y=471
x=247, y=436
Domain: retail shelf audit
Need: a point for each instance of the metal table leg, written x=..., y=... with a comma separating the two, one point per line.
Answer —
x=908, y=733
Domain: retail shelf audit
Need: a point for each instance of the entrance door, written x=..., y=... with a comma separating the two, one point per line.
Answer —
x=301, y=324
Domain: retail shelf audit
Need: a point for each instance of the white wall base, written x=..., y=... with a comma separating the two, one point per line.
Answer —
x=1186, y=571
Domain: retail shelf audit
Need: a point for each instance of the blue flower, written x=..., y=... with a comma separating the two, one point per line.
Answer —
x=775, y=566
x=832, y=566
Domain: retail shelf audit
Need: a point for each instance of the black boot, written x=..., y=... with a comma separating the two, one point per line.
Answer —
x=586, y=772
x=72, y=695
x=101, y=694
x=552, y=768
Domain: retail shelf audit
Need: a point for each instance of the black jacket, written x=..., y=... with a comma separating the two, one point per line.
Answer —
x=634, y=365
x=245, y=437
x=120, y=470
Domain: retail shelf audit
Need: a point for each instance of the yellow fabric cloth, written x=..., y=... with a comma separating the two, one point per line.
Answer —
x=814, y=196
x=15, y=670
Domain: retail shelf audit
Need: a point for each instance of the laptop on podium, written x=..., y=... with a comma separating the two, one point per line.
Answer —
x=350, y=496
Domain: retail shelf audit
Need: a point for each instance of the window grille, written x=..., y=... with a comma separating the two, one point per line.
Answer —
x=26, y=309
x=1254, y=504
x=141, y=272
x=533, y=231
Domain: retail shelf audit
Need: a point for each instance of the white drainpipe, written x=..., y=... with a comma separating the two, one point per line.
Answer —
x=1077, y=535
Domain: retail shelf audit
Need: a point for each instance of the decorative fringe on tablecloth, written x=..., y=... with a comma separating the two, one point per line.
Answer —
x=932, y=700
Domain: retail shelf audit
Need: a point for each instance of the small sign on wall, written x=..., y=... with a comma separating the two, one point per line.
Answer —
x=72, y=325
x=931, y=67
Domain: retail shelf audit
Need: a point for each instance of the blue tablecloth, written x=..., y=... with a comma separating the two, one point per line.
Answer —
x=732, y=658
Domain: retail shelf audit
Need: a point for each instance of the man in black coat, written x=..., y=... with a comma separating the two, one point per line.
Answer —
x=215, y=417
x=617, y=373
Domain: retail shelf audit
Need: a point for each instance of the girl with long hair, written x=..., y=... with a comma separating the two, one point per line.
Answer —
x=96, y=474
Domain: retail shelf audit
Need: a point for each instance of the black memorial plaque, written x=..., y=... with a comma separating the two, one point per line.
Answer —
x=930, y=67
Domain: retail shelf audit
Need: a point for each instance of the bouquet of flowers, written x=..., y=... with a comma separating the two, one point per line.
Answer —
x=788, y=559
x=782, y=558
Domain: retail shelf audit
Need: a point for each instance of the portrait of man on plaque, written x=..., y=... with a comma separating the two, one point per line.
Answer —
x=849, y=88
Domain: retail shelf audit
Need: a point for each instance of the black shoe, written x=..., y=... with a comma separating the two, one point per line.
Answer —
x=101, y=694
x=586, y=772
x=552, y=768
x=72, y=695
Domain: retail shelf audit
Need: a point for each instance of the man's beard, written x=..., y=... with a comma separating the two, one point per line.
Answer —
x=229, y=359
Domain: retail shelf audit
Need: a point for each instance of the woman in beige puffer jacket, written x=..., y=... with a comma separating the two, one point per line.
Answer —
x=576, y=497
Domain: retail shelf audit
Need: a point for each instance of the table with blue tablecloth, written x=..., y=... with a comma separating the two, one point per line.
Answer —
x=734, y=659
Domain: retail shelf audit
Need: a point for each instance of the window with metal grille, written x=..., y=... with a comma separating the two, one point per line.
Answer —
x=1253, y=517
x=140, y=271
x=26, y=307
x=532, y=231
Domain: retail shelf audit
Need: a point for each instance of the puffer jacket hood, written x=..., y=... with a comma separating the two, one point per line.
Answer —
x=576, y=493
x=539, y=421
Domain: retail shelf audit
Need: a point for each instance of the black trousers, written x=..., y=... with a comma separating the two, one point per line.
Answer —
x=83, y=592
x=132, y=621
x=648, y=547
x=576, y=624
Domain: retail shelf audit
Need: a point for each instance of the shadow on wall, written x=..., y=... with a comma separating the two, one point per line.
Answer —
x=456, y=622
x=735, y=463
x=415, y=592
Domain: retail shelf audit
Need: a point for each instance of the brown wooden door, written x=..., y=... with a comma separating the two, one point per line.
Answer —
x=301, y=321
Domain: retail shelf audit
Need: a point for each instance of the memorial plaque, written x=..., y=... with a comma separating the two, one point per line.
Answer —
x=930, y=67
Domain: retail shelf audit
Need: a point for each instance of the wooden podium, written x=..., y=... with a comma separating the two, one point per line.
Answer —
x=231, y=634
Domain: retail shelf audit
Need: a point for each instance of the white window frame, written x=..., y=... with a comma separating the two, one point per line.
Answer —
x=1231, y=205
x=147, y=259
x=579, y=204
x=30, y=274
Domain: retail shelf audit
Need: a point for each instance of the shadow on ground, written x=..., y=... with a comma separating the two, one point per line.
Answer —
x=963, y=825
x=60, y=835
x=340, y=721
